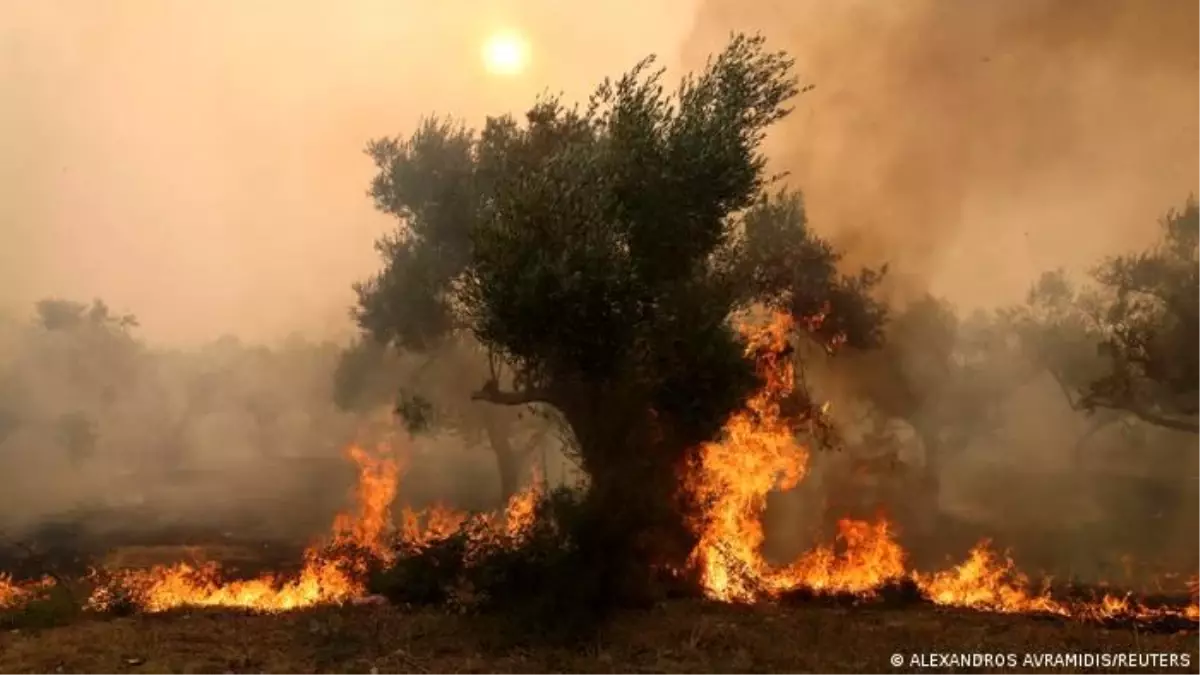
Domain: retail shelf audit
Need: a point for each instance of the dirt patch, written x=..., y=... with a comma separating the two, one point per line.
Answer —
x=678, y=637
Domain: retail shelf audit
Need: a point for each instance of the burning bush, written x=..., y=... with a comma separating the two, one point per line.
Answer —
x=533, y=569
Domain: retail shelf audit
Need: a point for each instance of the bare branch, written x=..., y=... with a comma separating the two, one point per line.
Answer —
x=1190, y=426
x=491, y=393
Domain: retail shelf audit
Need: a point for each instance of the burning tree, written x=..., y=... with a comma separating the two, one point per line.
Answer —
x=597, y=256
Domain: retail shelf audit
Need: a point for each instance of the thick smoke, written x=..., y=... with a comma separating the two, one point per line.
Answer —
x=974, y=144
x=971, y=146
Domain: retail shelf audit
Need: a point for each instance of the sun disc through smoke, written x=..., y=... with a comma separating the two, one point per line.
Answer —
x=505, y=54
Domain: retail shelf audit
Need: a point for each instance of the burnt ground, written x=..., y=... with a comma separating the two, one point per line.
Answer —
x=681, y=636
x=803, y=635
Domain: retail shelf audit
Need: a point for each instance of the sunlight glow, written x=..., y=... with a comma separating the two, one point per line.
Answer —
x=505, y=53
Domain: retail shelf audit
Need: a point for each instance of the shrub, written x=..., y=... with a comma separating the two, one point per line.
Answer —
x=552, y=579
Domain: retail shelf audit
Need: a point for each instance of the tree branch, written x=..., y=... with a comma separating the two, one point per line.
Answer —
x=1066, y=391
x=491, y=393
x=1190, y=426
x=1148, y=416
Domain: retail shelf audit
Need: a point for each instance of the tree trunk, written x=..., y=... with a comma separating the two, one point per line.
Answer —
x=632, y=531
x=637, y=529
x=927, y=514
x=508, y=460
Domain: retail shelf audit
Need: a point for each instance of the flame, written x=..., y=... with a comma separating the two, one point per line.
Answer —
x=377, y=478
x=871, y=559
x=12, y=594
x=984, y=581
x=15, y=594
x=759, y=453
x=325, y=578
x=333, y=571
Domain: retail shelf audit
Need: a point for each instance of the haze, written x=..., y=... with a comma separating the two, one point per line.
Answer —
x=200, y=164
x=975, y=144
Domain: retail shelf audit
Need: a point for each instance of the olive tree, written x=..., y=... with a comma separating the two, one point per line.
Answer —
x=596, y=256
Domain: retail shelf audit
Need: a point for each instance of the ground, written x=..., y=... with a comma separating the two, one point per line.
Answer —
x=681, y=636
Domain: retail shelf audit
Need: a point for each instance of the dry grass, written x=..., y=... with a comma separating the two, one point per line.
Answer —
x=679, y=637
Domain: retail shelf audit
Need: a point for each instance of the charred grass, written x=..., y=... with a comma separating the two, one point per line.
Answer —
x=678, y=636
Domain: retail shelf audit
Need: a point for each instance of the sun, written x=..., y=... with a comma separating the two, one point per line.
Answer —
x=505, y=53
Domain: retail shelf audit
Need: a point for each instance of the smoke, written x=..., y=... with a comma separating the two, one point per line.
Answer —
x=201, y=164
x=974, y=144
x=971, y=146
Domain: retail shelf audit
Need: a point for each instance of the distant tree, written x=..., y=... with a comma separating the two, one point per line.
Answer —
x=945, y=376
x=430, y=392
x=1152, y=321
x=56, y=314
x=1126, y=344
x=1122, y=346
x=1058, y=330
x=597, y=257
x=84, y=356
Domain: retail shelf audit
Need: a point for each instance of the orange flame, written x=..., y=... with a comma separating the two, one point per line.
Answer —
x=759, y=453
x=324, y=578
x=12, y=594
x=332, y=573
x=984, y=581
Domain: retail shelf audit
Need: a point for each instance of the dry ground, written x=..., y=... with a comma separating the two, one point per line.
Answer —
x=679, y=637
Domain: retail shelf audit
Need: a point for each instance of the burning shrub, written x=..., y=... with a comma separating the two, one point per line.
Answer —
x=39, y=605
x=540, y=568
x=424, y=575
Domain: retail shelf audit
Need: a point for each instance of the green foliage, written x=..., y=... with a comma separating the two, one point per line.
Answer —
x=783, y=265
x=360, y=379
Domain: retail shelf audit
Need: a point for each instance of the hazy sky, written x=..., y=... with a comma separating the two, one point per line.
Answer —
x=199, y=162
